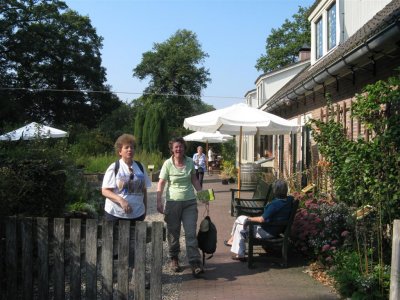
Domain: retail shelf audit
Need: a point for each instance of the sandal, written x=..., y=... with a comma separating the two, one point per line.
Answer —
x=197, y=270
x=226, y=243
x=239, y=258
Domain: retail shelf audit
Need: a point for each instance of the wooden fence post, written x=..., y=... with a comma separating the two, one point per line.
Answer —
x=91, y=259
x=43, y=257
x=395, y=265
x=123, y=259
x=11, y=257
x=107, y=259
x=26, y=261
x=140, y=260
x=59, y=258
x=156, y=260
x=75, y=256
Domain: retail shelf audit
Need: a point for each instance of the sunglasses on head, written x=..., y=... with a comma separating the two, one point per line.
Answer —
x=132, y=175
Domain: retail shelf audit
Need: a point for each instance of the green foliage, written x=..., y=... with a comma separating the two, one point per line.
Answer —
x=228, y=150
x=321, y=227
x=96, y=164
x=228, y=169
x=367, y=172
x=119, y=121
x=47, y=48
x=283, y=44
x=32, y=178
x=176, y=76
x=85, y=142
x=100, y=163
x=353, y=283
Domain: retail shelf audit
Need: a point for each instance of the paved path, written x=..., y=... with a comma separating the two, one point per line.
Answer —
x=231, y=280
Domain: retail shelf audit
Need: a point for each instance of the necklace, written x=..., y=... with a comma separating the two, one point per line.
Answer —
x=179, y=163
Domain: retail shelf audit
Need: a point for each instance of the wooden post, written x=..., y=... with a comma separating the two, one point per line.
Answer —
x=395, y=265
x=240, y=157
x=156, y=260
x=140, y=260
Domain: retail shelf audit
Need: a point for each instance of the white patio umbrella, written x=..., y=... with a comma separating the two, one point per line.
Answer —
x=207, y=137
x=239, y=119
x=32, y=131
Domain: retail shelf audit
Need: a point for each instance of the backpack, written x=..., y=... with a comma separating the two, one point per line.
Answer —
x=207, y=238
x=116, y=167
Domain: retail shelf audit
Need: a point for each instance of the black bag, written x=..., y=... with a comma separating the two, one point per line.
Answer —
x=207, y=238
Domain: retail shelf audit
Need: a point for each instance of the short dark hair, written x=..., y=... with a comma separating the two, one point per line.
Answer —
x=176, y=140
x=280, y=189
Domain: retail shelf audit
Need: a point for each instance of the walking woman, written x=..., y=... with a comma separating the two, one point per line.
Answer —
x=178, y=173
x=199, y=159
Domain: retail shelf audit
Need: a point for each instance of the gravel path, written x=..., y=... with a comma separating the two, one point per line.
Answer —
x=170, y=281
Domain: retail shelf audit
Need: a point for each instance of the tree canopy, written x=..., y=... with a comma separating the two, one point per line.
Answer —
x=46, y=50
x=175, y=73
x=283, y=44
x=176, y=79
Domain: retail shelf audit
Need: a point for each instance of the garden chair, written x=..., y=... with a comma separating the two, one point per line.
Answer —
x=253, y=206
x=280, y=243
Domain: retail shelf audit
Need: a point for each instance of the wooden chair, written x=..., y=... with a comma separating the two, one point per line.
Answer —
x=262, y=194
x=279, y=243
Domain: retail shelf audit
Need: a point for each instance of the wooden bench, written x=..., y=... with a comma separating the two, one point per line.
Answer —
x=279, y=243
x=262, y=194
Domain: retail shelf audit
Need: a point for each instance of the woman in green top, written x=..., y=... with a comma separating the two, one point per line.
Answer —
x=181, y=205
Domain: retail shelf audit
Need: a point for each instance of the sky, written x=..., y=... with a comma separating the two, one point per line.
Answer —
x=232, y=32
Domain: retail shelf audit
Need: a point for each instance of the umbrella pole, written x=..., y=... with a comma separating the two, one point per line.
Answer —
x=208, y=163
x=240, y=158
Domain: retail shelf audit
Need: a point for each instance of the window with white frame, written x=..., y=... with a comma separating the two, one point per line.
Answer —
x=318, y=38
x=331, y=22
x=325, y=28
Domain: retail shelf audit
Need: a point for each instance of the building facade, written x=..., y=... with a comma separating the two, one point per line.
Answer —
x=353, y=43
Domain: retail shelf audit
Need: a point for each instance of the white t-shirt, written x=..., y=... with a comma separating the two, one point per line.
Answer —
x=210, y=155
x=129, y=189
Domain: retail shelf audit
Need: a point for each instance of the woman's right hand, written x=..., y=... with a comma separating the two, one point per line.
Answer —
x=160, y=207
x=125, y=206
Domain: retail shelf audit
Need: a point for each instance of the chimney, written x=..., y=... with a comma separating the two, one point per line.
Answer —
x=304, y=53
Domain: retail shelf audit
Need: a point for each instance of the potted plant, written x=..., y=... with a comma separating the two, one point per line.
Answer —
x=228, y=172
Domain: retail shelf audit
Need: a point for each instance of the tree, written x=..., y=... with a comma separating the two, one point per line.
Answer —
x=45, y=50
x=176, y=77
x=283, y=44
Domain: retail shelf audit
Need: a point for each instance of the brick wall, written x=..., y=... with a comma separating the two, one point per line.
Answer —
x=342, y=93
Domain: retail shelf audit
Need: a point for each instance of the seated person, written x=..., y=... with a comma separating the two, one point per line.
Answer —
x=277, y=210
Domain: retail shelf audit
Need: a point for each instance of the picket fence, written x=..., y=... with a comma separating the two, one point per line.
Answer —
x=59, y=258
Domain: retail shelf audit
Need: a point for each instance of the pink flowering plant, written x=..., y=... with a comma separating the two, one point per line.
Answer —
x=321, y=227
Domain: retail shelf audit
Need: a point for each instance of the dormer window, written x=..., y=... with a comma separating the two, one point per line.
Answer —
x=331, y=22
x=324, y=29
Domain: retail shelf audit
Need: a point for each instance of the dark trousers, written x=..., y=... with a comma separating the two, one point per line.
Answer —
x=200, y=176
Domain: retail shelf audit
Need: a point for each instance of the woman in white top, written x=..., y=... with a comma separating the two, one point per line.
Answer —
x=125, y=186
x=210, y=161
x=199, y=159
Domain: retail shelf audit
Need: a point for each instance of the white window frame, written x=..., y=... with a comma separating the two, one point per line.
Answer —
x=321, y=12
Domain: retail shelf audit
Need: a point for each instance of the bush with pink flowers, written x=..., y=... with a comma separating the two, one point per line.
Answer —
x=321, y=227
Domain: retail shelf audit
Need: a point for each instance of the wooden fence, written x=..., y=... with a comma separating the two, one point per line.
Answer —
x=43, y=258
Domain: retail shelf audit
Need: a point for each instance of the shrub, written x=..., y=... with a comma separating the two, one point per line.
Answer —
x=355, y=282
x=32, y=178
x=321, y=227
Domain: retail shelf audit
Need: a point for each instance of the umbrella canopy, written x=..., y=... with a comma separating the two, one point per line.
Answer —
x=32, y=131
x=240, y=117
x=207, y=137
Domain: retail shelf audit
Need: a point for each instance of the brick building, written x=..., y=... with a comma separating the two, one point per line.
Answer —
x=353, y=43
